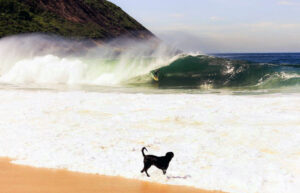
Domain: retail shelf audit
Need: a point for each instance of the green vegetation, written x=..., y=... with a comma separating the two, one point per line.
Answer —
x=29, y=16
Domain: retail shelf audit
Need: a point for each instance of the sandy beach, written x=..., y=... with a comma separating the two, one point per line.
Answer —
x=23, y=179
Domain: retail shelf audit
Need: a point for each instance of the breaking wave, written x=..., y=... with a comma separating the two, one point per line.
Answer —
x=40, y=59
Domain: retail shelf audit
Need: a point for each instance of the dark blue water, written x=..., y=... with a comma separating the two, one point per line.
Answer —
x=273, y=58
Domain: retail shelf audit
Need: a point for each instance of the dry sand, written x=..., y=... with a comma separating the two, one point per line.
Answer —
x=23, y=179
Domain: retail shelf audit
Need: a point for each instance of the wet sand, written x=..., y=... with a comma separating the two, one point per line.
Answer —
x=23, y=179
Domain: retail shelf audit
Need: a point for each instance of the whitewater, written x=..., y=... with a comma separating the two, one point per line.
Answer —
x=90, y=109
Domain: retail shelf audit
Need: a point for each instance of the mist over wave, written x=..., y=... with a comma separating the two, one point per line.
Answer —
x=41, y=59
x=45, y=59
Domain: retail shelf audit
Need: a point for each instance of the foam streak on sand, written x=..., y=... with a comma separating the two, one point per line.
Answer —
x=238, y=144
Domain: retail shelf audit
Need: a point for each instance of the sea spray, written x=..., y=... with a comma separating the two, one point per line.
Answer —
x=45, y=59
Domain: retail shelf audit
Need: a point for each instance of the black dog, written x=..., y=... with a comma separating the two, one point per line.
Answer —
x=160, y=162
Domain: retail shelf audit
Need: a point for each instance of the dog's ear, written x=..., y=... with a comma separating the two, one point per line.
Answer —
x=170, y=154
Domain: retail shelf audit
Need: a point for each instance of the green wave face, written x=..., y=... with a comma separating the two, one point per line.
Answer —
x=206, y=71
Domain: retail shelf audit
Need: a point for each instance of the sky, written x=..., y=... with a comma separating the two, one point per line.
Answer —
x=213, y=26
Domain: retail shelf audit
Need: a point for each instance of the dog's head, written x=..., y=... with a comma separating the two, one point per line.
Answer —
x=170, y=155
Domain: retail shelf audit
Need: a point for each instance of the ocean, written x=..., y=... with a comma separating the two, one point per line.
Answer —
x=271, y=58
x=232, y=120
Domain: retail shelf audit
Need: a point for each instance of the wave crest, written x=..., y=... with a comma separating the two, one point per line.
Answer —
x=40, y=59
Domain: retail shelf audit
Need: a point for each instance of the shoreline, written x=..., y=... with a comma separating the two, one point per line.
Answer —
x=103, y=134
x=25, y=179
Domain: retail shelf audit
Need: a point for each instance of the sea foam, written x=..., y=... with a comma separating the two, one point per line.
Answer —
x=238, y=144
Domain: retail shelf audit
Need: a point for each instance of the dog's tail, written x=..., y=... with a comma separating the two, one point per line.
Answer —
x=143, y=151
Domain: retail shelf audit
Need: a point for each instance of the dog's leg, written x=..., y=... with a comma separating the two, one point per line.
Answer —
x=143, y=170
x=147, y=173
x=146, y=167
x=164, y=172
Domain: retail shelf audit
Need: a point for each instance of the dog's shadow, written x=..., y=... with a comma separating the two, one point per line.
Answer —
x=179, y=177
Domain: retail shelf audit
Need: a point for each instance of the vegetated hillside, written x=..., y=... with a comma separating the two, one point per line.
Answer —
x=83, y=19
